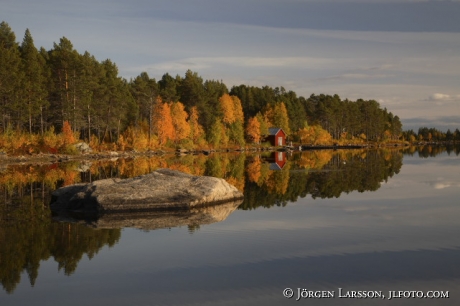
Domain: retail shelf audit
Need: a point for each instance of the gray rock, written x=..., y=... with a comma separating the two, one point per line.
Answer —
x=83, y=147
x=159, y=190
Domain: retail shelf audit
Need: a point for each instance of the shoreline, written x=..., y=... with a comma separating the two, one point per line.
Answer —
x=43, y=158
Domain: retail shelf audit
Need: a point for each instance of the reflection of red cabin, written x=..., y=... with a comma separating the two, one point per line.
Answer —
x=277, y=137
x=277, y=160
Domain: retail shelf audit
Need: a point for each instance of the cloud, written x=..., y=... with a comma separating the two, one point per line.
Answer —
x=443, y=97
x=354, y=76
x=441, y=184
x=441, y=123
x=361, y=15
x=240, y=61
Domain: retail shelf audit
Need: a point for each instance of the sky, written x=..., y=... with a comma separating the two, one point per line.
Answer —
x=405, y=54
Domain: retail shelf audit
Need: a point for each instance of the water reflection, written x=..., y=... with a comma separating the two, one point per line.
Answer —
x=321, y=174
x=192, y=218
x=432, y=151
x=28, y=235
x=25, y=242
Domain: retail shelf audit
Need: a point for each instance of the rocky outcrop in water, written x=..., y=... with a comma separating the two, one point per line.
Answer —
x=159, y=190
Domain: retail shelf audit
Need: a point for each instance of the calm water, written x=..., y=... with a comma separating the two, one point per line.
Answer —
x=373, y=221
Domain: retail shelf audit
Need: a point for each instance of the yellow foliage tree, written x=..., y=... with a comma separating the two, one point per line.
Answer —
x=227, y=108
x=232, y=119
x=179, y=120
x=268, y=115
x=305, y=134
x=277, y=116
x=264, y=125
x=314, y=135
x=237, y=109
x=281, y=118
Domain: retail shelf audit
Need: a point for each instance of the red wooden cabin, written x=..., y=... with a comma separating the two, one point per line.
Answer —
x=276, y=136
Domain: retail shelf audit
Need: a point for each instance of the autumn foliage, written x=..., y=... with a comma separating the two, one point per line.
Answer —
x=163, y=122
x=314, y=135
x=20, y=142
x=253, y=130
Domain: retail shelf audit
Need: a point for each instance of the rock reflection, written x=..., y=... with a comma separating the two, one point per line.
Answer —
x=192, y=218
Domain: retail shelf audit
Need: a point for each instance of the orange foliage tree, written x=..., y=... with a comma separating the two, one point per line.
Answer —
x=253, y=129
x=162, y=122
x=179, y=119
x=196, y=130
x=67, y=134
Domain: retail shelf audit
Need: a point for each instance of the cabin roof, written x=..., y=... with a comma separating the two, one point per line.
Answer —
x=274, y=130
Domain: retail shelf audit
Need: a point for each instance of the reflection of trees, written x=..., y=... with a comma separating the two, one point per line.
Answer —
x=227, y=166
x=70, y=241
x=426, y=151
x=362, y=172
x=321, y=174
x=28, y=236
x=278, y=181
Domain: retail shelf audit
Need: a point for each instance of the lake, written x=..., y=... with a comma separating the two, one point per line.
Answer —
x=339, y=227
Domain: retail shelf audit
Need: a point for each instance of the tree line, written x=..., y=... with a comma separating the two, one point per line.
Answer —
x=425, y=134
x=41, y=90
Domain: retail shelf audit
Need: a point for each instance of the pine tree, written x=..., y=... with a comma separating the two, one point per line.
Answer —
x=144, y=91
x=33, y=89
x=63, y=62
x=11, y=78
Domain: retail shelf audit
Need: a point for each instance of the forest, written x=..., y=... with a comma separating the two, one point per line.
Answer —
x=50, y=99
